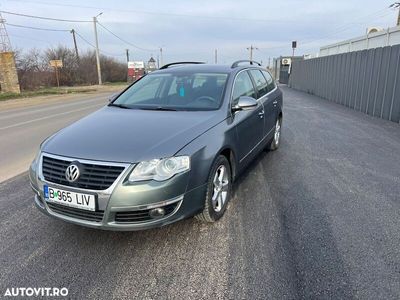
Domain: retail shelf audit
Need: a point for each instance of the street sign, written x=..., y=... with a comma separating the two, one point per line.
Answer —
x=56, y=63
x=136, y=65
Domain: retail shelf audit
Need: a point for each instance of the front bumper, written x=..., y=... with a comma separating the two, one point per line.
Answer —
x=125, y=206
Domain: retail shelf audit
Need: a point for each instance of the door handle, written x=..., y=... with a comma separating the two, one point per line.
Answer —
x=261, y=114
x=275, y=102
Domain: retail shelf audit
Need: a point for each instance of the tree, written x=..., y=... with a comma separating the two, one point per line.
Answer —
x=34, y=70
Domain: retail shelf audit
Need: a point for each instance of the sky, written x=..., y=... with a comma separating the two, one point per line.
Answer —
x=192, y=30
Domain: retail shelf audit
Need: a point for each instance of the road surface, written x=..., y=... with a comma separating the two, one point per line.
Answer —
x=319, y=218
x=23, y=129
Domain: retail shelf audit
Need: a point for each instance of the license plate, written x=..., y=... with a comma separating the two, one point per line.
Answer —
x=68, y=198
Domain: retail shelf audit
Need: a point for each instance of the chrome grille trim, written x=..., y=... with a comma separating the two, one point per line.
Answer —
x=95, y=173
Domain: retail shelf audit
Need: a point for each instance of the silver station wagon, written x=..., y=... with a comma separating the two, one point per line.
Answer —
x=168, y=147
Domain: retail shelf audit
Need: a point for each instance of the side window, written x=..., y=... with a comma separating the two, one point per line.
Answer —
x=270, y=80
x=261, y=82
x=242, y=87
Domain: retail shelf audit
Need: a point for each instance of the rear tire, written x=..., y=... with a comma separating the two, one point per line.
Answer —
x=218, y=191
x=276, y=141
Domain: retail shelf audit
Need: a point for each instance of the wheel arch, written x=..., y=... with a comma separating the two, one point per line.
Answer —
x=231, y=157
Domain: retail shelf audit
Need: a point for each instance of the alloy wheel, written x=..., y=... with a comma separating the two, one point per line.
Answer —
x=221, y=187
x=277, y=134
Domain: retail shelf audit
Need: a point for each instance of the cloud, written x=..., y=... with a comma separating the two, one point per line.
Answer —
x=192, y=30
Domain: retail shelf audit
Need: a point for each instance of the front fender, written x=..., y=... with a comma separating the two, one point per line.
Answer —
x=205, y=148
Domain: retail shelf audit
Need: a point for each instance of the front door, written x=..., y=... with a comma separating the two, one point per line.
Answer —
x=249, y=123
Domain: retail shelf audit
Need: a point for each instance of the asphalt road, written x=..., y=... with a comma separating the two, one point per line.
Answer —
x=23, y=129
x=319, y=218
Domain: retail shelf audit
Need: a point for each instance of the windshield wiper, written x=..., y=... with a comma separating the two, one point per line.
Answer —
x=159, y=108
x=119, y=105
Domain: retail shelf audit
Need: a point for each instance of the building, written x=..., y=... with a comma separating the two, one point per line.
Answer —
x=151, y=65
x=374, y=38
x=135, y=70
x=282, y=67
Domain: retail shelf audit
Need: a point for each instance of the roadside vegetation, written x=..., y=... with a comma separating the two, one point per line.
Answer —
x=36, y=74
x=44, y=92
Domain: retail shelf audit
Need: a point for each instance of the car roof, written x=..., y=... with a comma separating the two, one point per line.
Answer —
x=204, y=68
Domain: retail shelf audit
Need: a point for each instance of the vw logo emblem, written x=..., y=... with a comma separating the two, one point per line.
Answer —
x=72, y=173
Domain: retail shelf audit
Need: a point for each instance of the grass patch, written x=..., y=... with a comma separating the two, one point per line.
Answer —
x=44, y=92
x=116, y=83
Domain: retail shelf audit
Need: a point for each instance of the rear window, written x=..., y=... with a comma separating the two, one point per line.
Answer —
x=270, y=80
x=260, y=81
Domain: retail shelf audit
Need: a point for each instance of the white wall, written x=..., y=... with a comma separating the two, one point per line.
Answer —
x=386, y=37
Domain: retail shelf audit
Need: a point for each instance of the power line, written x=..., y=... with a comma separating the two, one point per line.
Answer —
x=35, y=28
x=43, y=18
x=94, y=47
x=125, y=41
x=85, y=40
x=158, y=13
x=343, y=28
x=28, y=38
x=5, y=44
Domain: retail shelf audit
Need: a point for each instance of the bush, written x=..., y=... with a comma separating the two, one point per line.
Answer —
x=34, y=69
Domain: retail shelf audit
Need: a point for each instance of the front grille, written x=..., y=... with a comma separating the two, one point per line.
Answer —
x=87, y=215
x=137, y=216
x=93, y=177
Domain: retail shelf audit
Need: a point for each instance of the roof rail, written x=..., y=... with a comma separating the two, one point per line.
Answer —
x=236, y=63
x=181, y=63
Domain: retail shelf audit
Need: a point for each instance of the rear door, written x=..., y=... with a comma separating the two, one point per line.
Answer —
x=264, y=96
x=249, y=123
x=274, y=94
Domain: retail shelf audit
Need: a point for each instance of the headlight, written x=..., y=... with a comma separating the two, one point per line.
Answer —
x=160, y=169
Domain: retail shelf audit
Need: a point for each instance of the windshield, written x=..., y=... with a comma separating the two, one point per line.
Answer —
x=175, y=91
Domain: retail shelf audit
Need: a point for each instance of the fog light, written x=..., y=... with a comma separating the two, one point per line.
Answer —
x=157, y=212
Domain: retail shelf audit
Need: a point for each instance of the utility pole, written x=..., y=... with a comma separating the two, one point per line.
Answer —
x=127, y=55
x=396, y=5
x=161, y=57
x=294, y=46
x=398, y=15
x=251, y=48
x=5, y=44
x=97, y=49
x=76, y=47
x=8, y=71
x=57, y=77
x=216, y=56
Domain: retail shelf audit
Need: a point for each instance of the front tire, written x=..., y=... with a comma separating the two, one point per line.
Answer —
x=277, y=135
x=218, y=191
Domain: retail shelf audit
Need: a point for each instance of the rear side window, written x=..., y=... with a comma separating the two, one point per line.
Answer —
x=242, y=87
x=270, y=80
x=261, y=82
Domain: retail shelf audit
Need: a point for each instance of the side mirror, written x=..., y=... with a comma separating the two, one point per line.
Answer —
x=112, y=97
x=245, y=103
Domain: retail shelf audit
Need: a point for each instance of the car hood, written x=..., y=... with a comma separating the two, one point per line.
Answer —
x=130, y=135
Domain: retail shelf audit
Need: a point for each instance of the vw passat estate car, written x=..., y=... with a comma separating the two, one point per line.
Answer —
x=166, y=148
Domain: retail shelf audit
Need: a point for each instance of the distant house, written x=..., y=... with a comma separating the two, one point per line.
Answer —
x=151, y=65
